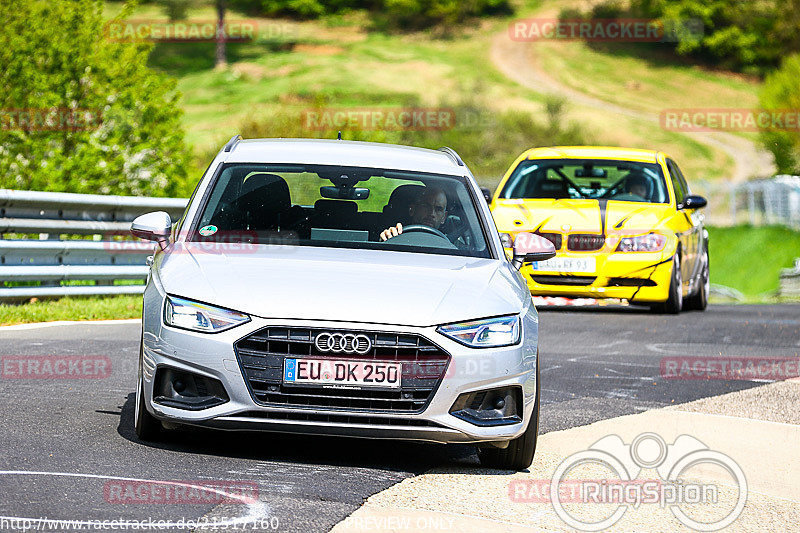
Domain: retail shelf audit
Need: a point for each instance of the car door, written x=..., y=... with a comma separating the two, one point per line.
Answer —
x=690, y=222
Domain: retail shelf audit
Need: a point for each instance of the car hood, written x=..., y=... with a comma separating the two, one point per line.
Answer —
x=579, y=216
x=373, y=286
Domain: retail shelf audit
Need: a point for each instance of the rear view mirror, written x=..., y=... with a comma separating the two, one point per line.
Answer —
x=344, y=193
x=530, y=248
x=154, y=226
x=694, y=202
x=487, y=194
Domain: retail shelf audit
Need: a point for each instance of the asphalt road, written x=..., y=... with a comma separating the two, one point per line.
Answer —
x=63, y=441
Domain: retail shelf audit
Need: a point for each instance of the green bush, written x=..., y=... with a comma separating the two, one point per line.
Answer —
x=58, y=66
x=743, y=35
x=781, y=91
x=768, y=250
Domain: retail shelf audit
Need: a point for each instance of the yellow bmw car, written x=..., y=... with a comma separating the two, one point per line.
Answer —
x=624, y=223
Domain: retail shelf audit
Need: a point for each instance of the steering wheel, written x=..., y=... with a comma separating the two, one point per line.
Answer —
x=424, y=229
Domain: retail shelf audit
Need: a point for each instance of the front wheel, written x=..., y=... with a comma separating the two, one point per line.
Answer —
x=146, y=425
x=699, y=300
x=519, y=453
x=674, y=302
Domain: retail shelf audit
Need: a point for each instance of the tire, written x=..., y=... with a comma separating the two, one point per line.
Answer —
x=148, y=427
x=699, y=300
x=520, y=451
x=674, y=302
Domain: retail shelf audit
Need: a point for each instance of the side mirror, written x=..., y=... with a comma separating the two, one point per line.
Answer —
x=694, y=202
x=529, y=248
x=153, y=227
x=487, y=194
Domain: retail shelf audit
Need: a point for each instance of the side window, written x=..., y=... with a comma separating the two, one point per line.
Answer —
x=677, y=181
x=685, y=185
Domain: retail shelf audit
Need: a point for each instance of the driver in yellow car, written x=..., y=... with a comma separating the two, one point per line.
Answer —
x=636, y=184
x=430, y=209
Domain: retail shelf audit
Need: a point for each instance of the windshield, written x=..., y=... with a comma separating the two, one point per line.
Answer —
x=343, y=207
x=625, y=181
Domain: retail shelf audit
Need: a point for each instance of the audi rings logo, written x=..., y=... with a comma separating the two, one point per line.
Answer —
x=343, y=343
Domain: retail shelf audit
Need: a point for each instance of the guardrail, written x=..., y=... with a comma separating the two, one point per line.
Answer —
x=31, y=267
x=769, y=201
x=790, y=281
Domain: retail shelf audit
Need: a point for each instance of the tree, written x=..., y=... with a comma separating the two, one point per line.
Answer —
x=82, y=112
x=220, y=59
x=781, y=92
x=745, y=35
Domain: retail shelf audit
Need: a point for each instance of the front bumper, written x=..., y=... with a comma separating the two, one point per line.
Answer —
x=213, y=356
x=638, y=277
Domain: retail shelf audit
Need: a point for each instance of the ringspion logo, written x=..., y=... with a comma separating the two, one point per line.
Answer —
x=677, y=488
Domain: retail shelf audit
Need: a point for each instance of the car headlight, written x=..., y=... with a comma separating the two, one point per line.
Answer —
x=487, y=333
x=197, y=316
x=652, y=242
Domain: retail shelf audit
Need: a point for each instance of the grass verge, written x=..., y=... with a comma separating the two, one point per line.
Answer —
x=71, y=308
x=749, y=259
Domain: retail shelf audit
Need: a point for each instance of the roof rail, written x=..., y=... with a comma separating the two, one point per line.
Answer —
x=453, y=155
x=230, y=144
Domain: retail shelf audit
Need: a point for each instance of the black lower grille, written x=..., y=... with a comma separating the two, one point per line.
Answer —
x=631, y=282
x=339, y=419
x=261, y=357
x=564, y=280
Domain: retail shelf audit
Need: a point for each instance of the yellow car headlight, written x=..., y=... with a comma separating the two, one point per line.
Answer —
x=652, y=242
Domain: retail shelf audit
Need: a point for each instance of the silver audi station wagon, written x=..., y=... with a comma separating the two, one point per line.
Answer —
x=341, y=288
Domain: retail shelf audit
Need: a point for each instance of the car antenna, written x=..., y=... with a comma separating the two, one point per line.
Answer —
x=339, y=137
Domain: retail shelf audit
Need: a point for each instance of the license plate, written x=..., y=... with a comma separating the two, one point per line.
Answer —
x=342, y=373
x=565, y=264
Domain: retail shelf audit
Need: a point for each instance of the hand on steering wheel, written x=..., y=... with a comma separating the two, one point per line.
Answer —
x=394, y=231
x=425, y=229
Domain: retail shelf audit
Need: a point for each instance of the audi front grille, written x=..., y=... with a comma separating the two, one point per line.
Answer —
x=261, y=357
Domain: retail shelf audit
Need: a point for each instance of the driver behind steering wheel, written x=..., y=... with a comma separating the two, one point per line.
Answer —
x=430, y=209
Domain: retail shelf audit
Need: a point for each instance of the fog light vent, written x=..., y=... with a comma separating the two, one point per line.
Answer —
x=494, y=407
x=184, y=390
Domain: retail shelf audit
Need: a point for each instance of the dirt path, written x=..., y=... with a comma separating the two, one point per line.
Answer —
x=515, y=60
